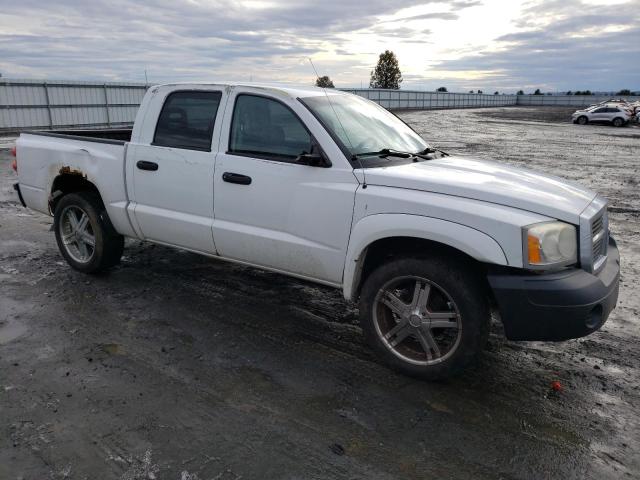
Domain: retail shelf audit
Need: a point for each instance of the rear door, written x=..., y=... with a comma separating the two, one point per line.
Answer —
x=619, y=112
x=609, y=114
x=270, y=210
x=173, y=170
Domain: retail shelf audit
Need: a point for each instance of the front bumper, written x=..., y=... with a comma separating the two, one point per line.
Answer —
x=557, y=306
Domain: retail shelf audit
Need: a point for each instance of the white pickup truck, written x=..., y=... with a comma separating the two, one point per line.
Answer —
x=332, y=188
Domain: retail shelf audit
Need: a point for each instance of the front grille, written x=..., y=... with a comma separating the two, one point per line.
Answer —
x=594, y=235
x=596, y=225
x=599, y=238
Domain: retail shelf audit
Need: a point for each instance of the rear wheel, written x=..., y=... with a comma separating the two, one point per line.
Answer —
x=618, y=122
x=84, y=234
x=582, y=120
x=425, y=317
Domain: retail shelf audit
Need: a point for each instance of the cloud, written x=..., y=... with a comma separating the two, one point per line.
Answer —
x=181, y=39
x=428, y=16
x=460, y=4
x=577, y=47
x=547, y=43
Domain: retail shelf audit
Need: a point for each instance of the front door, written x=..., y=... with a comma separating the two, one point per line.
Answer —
x=600, y=115
x=271, y=210
x=173, y=175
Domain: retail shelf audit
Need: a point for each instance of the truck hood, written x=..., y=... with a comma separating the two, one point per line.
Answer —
x=489, y=182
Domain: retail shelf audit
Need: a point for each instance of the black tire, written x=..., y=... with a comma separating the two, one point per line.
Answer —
x=108, y=244
x=452, y=280
x=618, y=122
x=582, y=120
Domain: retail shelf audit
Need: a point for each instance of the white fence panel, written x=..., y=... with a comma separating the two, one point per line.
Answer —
x=413, y=99
x=570, y=100
x=38, y=104
x=26, y=104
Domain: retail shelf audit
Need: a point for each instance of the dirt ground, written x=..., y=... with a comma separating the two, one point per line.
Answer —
x=174, y=366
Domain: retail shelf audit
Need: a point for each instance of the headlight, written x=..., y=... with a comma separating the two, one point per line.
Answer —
x=549, y=244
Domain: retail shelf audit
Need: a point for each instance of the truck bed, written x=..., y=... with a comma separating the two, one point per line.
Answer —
x=93, y=156
x=116, y=136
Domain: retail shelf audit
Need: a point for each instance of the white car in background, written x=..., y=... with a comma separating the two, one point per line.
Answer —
x=616, y=115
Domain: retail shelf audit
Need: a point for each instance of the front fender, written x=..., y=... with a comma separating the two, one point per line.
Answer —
x=473, y=242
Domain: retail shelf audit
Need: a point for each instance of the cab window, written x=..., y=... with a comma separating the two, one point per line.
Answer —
x=265, y=128
x=187, y=120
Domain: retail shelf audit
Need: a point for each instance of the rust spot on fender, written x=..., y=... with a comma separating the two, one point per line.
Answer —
x=71, y=171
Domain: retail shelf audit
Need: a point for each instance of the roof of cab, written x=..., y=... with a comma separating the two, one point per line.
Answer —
x=293, y=92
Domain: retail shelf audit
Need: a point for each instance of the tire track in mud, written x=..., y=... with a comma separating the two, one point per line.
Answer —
x=279, y=339
x=242, y=370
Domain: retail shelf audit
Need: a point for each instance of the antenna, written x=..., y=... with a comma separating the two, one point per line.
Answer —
x=353, y=155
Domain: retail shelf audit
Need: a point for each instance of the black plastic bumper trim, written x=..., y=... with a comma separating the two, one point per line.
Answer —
x=557, y=306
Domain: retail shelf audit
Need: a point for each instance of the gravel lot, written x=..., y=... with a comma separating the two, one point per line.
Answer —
x=175, y=366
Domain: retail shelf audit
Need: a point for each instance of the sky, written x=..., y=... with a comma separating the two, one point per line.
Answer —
x=554, y=45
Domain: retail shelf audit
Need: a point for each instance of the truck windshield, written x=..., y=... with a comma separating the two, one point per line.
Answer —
x=363, y=126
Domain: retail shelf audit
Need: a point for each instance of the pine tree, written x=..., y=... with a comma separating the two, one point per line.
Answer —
x=324, y=82
x=387, y=72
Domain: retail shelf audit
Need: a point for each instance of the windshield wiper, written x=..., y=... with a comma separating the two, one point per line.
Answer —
x=385, y=152
x=388, y=152
x=429, y=150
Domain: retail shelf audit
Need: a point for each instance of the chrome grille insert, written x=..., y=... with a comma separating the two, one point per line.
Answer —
x=596, y=225
x=599, y=240
x=594, y=236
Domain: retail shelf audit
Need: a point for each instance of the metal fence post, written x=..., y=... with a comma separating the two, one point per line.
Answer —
x=46, y=96
x=106, y=103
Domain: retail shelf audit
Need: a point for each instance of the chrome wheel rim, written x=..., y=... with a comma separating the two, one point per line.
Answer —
x=417, y=320
x=78, y=238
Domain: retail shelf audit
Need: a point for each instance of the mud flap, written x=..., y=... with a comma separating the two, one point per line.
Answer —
x=16, y=187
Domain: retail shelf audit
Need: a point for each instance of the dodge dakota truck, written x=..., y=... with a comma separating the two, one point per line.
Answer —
x=332, y=188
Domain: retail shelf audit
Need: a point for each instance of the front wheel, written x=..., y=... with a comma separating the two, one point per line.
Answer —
x=84, y=234
x=583, y=120
x=425, y=317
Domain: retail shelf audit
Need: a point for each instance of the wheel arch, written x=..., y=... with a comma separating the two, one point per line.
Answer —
x=106, y=242
x=377, y=238
x=70, y=182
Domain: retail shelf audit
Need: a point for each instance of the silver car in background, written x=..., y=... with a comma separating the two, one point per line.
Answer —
x=616, y=115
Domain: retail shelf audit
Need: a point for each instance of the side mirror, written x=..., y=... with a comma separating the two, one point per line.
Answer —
x=317, y=158
x=313, y=160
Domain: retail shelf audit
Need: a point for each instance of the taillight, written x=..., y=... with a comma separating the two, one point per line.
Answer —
x=14, y=164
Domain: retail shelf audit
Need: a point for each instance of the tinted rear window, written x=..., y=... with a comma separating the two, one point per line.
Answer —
x=187, y=120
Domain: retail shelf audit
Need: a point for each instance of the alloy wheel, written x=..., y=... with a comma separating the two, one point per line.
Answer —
x=76, y=233
x=417, y=320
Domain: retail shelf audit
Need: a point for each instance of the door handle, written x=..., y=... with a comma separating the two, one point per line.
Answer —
x=236, y=178
x=144, y=165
